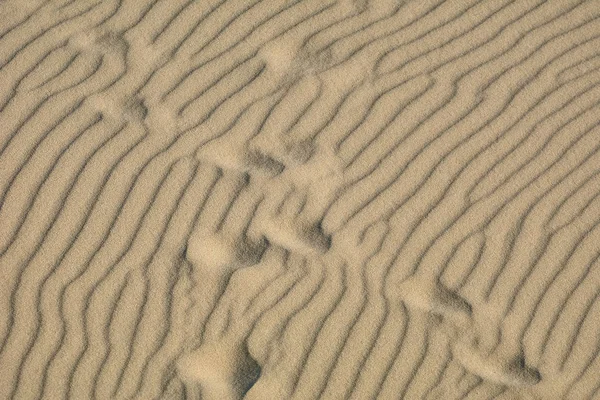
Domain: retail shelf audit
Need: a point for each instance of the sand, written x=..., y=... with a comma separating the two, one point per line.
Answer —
x=277, y=199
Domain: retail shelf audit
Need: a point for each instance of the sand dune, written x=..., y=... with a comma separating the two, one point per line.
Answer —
x=351, y=199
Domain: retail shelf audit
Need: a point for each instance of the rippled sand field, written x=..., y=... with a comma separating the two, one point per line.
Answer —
x=314, y=199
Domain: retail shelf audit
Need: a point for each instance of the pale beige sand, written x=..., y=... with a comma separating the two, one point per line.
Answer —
x=277, y=199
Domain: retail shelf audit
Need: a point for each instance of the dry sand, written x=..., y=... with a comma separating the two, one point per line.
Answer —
x=277, y=199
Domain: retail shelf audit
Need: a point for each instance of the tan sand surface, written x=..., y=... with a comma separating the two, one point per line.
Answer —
x=310, y=199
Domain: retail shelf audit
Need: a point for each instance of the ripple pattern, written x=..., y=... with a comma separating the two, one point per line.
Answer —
x=300, y=199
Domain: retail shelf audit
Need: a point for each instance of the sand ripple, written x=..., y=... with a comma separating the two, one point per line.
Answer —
x=310, y=199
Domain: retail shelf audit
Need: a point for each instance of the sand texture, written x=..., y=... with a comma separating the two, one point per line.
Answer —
x=311, y=199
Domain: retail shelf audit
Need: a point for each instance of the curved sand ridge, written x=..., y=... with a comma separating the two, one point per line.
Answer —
x=300, y=199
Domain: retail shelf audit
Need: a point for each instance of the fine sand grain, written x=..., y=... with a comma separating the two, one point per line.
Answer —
x=311, y=199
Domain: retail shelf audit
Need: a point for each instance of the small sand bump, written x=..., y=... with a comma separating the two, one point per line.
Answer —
x=132, y=109
x=322, y=171
x=224, y=370
x=229, y=156
x=437, y=299
x=289, y=62
x=266, y=387
x=209, y=250
x=82, y=41
x=279, y=55
x=497, y=371
x=308, y=239
x=220, y=253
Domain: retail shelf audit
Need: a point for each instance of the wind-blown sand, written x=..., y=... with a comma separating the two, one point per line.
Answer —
x=276, y=199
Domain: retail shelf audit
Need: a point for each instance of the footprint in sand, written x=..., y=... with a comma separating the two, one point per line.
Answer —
x=224, y=370
x=455, y=319
x=219, y=253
